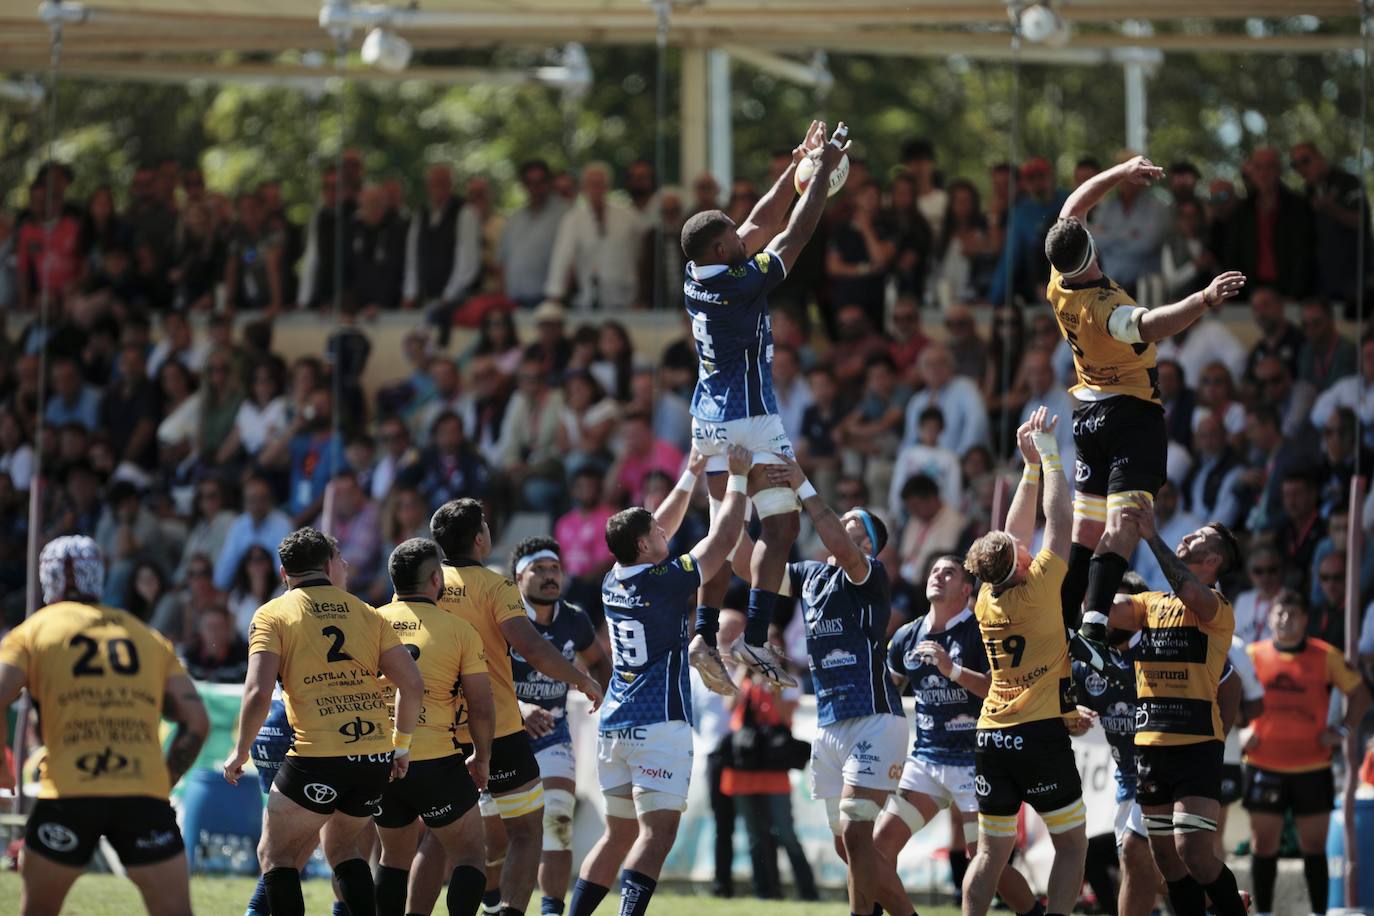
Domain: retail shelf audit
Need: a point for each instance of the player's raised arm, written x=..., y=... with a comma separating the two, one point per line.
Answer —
x=1021, y=516
x=770, y=213
x=828, y=525
x=807, y=214
x=181, y=704
x=712, y=551
x=1168, y=320
x=1199, y=599
x=1058, y=498
x=1086, y=196
x=671, y=511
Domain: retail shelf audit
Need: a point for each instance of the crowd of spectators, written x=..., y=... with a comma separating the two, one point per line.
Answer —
x=188, y=446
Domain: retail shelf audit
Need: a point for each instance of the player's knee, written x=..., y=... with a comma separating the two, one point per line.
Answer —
x=559, y=807
x=779, y=512
x=856, y=821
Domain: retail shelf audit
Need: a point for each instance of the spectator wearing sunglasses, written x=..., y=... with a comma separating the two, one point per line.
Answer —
x=1264, y=567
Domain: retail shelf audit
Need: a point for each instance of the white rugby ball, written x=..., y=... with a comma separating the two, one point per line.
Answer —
x=807, y=167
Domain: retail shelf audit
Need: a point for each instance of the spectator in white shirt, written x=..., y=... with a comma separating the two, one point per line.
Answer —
x=177, y=343
x=1207, y=341
x=927, y=457
x=594, y=256
x=790, y=390
x=1173, y=524
x=966, y=419
x=261, y=416
x=528, y=240
x=918, y=155
x=1354, y=391
x=1129, y=229
x=1264, y=566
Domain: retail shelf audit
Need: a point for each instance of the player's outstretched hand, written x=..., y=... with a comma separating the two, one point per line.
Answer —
x=1141, y=515
x=1142, y=171
x=786, y=474
x=815, y=137
x=1224, y=286
x=233, y=766
x=400, y=765
x=740, y=459
x=831, y=154
x=591, y=690
x=538, y=722
x=696, y=461
x=1026, y=444
x=478, y=770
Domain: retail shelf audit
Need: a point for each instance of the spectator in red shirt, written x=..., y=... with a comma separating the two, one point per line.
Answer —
x=581, y=536
x=640, y=453
x=51, y=256
x=1269, y=236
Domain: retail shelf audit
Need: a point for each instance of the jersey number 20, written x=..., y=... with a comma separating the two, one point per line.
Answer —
x=121, y=653
x=628, y=647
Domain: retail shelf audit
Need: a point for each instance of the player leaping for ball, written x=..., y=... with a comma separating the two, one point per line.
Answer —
x=1118, y=427
x=730, y=271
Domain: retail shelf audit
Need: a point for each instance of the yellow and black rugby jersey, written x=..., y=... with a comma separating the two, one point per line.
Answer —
x=1178, y=665
x=445, y=648
x=1028, y=651
x=98, y=676
x=331, y=646
x=1105, y=366
x=486, y=600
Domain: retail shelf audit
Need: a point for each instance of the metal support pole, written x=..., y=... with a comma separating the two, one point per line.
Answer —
x=662, y=8
x=720, y=133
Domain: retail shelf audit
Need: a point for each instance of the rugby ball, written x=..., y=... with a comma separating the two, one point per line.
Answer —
x=807, y=168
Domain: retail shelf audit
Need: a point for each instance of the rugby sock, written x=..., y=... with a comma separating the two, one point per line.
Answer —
x=1037, y=910
x=708, y=625
x=511, y=911
x=1225, y=895
x=355, y=886
x=491, y=899
x=586, y=897
x=1075, y=585
x=636, y=889
x=762, y=603
x=284, y=892
x=466, y=887
x=958, y=866
x=257, y=904
x=1263, y=872
x=341, y=909
x=1314, y=869
x=1104, y=578
x=1186, y=897
x=550, y=906
x=391, y=890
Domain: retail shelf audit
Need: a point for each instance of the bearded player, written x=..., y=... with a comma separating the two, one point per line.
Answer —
x=730, y=272
x=1118, y=426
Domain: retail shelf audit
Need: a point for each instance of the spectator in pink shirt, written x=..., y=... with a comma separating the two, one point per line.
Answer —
x=355, y=522
x=581, y=536
x=640, y=453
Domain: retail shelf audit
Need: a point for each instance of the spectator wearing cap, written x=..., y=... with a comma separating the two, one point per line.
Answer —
x=528, y=239
x=1269, y=236
x=1327, y=355
x=966, y=419
x=1337, y=200
x=530, y=453
x=1129, y=228
x=378, y=248
x=1279, y=337
x=1022, y=269
x=1354, y=392
x=72, y=400
x=593, y=263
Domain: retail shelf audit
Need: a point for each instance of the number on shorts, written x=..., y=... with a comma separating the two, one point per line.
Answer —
x=336, y=652
x=628, y=648
x=121, y=652
x=1015, y=646
x=708, y=349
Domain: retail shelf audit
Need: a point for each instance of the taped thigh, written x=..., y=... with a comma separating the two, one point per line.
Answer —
x=559, y=807
x=1193, y=823
x=859, y=809
x=621, y=806
x=519, y=804
x=1159, y=824
x=997, y=825
x=905, y=811
x=649, y=801
x=776, y=501
x=1126, y=499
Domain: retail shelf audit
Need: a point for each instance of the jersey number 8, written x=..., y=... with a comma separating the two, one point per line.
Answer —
x=628, y=647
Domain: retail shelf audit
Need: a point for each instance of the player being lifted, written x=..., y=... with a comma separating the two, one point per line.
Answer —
x=327, y=647
x=1118, y=427
x=730, y=272
x=1179, y=733
x=1022, y=750
x=103, y=681
x=441, y=788
x=644, y=740
x=536, y=564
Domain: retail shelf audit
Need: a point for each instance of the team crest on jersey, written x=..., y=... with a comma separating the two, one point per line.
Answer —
x=740, y=271
x=1081, y=472
x=1095, y=684
x=933, y=682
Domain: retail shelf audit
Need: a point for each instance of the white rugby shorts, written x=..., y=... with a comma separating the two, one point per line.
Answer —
x=556, y=760
x=866, y=752
x=651, y=758
x=1129, y=819
x=946, y=783
x=761, y=435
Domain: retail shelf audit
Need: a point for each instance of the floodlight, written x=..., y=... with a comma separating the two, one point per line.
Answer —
x=385, y=50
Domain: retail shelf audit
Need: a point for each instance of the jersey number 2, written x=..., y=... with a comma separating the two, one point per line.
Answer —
x=122, y=655
x=336, y=652
x=628, y=645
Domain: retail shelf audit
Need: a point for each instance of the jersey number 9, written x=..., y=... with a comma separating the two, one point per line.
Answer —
x=628, y=647
x=1015, y=646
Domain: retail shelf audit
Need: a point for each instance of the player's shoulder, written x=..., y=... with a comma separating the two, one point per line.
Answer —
x=907, y=632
